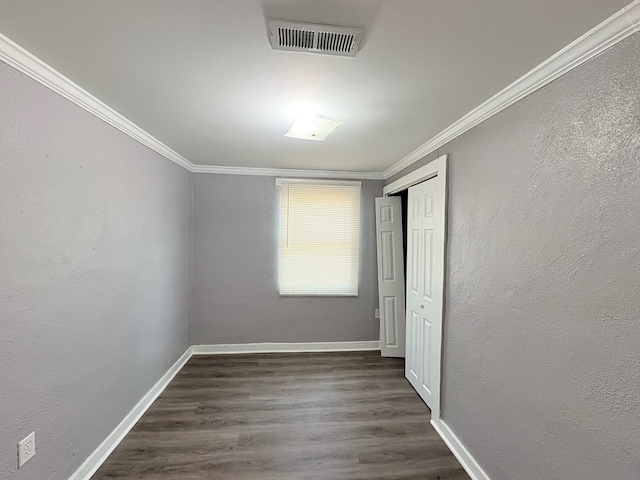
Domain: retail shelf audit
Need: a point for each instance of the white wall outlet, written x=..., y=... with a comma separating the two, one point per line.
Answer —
x=377, y=313
x=26, y=449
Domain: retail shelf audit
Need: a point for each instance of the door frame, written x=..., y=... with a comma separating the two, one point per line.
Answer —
x=435, y=168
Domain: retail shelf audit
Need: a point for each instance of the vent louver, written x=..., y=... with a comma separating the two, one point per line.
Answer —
x=312, y=38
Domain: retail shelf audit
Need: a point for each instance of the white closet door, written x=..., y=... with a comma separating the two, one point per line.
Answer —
x=424, y=288
x=390, y=276
x=414, y=242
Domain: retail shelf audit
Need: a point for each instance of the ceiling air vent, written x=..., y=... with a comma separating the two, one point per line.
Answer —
x=312, y=38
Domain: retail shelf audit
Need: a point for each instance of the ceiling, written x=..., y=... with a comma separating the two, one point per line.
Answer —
x=200, y=75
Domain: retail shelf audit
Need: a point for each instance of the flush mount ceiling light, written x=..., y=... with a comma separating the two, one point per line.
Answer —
x=312, y=126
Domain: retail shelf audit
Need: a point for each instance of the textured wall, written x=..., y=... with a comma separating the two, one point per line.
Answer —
x=94, y=276
x=235, y=286
x=542, y=330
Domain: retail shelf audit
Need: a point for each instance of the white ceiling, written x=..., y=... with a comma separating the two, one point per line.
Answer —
x=200, y=75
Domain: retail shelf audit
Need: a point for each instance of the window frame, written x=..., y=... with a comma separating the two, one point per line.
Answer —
x=280, y=182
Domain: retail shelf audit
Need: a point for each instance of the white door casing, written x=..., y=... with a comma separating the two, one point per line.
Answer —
x=425, y=280
x=390, y=276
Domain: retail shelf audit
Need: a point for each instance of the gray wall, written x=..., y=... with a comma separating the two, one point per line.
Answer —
x=94, y=276
x=235, y=295
x=542, y=327
x=542, y=333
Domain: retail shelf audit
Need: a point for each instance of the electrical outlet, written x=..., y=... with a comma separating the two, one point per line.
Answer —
x=377, y=313
x=26, y=449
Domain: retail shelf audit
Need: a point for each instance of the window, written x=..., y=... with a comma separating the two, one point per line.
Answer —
x=319, y=237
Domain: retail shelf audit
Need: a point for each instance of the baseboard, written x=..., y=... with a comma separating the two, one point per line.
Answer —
x=100, y=454
x=459, y=450
x=285, y=347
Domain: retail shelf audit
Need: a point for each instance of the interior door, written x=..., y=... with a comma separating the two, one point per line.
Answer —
x=414, y=242
x=390, y=276
x=425, y=226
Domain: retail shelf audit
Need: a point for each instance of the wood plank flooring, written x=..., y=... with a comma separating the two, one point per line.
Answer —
x=317, y=416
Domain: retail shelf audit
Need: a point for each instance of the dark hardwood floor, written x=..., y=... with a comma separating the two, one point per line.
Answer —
x=316, y=416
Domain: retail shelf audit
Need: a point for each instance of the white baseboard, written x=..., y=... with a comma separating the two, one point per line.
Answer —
x=100, y=454
x=285, y=347
x=459, y=450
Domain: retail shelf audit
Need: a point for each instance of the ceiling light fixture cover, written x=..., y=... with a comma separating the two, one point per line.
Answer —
x=315, y=38
x=312, y=127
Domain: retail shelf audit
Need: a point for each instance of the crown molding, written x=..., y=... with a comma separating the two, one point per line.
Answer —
x=17, y=57
x=287, y=172
x=613, y=30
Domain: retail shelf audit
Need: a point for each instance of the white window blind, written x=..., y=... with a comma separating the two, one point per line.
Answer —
x=319, y=237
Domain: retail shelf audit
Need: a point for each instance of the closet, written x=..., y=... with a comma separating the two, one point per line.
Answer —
x=413, y=325
x=424, y=289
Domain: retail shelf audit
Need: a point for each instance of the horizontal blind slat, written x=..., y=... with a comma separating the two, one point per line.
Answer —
x=319, y=239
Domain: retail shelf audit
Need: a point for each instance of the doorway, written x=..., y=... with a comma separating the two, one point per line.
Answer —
x=423, y=259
